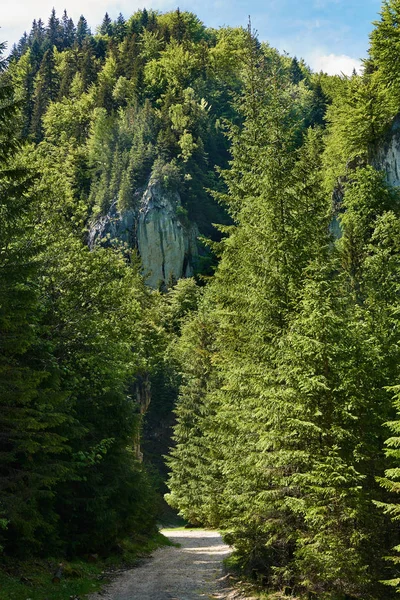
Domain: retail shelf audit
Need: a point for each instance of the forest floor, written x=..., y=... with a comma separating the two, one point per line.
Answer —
x=189, y=570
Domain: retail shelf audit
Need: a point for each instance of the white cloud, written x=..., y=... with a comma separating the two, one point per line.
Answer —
x=334, y=64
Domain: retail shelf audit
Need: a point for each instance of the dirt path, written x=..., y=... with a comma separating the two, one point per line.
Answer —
x=192, y=571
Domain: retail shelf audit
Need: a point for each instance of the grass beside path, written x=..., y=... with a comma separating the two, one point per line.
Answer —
x=32, y=580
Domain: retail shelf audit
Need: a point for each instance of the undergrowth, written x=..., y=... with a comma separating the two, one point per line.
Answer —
x=249, y=588
x=33, y=580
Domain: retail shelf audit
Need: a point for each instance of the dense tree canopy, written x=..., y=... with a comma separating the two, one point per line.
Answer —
x=277, y=364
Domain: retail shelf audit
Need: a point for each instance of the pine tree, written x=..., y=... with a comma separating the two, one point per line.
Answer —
x=22, y=74
x=106, y=26
x=390, y=482
x=22, y=45
x=70, y=68
x=384, y=46
x=330, y=391
x=34, y=31
x=195, y=481
x=296, y=73
x=46, y=89
x=144, y=19
x=131, y=60
x=274, y=209
x=88, y=66
x=178, y=28
x=381, y=284
x=96, y=322
x=69, y=31
x=32, y=406
x=119, y=28
x=54, y=31
x=82, y=31
x=318, y=105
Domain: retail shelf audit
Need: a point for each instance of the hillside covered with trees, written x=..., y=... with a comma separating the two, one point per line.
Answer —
x=276, y=363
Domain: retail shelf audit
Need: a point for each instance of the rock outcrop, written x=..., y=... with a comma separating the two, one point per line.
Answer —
x=157, y=227
x=387, y=155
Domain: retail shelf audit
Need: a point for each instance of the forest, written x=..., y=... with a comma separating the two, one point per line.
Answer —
x=254, y=380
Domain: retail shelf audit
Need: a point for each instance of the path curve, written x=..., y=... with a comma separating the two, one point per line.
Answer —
x=190, y=572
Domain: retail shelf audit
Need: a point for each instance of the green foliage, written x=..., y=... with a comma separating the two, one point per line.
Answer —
x=34, y=408
x=382, y=269
x=97, y=311
x=33, y=579
x=168, y=174
x=280, y=372
x=191, y=461
x=173, y=71
x=280, y=418
x=74, y=348
x=384, y=47
x=46, y=90
x=366, y=197
x=149, y=89
x=357, y=117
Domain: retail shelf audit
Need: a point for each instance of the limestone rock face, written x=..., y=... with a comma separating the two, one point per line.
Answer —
x=387, y=156
x=165, y=240
x=114, y=226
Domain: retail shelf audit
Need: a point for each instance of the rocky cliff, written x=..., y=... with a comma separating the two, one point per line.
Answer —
x=387, y=156
x=157, y=227
x=384, y=157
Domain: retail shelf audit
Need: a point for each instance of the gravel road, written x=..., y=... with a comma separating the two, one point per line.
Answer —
x=192, y=571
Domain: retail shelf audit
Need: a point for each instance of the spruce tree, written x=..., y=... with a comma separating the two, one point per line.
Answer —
x=384, y=47
x=195, y=483
x=120, y=28
x=46, y=89
x=33, y=408
x=68, y=30
x=382, y=273
x=54, y=32
x=82, y=31
x=255, y=291
x=106, y=26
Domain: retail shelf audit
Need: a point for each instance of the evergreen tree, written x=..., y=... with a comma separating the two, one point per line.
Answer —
x=178, y=28
x=36, y=55
x=23, y=76
x=46, y=88
x=266, y=198
x=106, y=83
x=34, y=31
x=106, y=26
x=319, y=104
x=296, y=73
x=385, y=44
x=22, y=45
x=69, y=31
x=195, y=479
x=54, y=31
x=390, y=483
x=289, y=427
x=144, y=19
x=131, y=61
x=93, y=300
x=70, y=68
x=82, y=31
x=119, y=28
x=32, y=450
x=88, y=66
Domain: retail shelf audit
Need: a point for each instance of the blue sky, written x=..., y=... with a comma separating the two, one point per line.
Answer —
x=331, y=35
